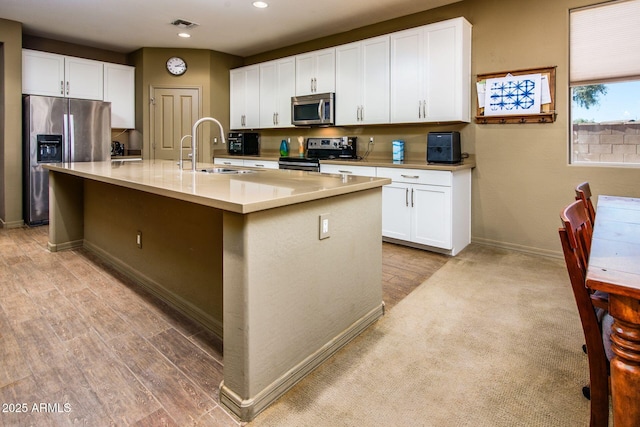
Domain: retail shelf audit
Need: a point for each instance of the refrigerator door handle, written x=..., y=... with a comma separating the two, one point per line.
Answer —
x=65, y=138
x=72, y=143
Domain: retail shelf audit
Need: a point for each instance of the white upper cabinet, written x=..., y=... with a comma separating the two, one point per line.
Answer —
x=419, y=75
x=277, y=86
x=245, y=97
x=83, y=78
x=316, y=72
x=42, y=73
x=431, y=73
x=119, y=89
x=50, y=74
x=362, y=82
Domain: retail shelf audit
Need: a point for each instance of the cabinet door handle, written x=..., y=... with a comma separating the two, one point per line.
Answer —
x=67, y=87
x=277, y=118
x=341, y=171
x=61, y=87
x=410, y=176
x=226, y=163
x=258, y=165
x=273, y=119
x=412, y=197
x=424, y=109
x=419, y=109
x=406, y=197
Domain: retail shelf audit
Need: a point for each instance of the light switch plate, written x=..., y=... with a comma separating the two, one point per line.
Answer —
x=324, y=227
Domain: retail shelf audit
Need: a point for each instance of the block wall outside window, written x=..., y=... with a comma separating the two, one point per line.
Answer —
x=606, y=143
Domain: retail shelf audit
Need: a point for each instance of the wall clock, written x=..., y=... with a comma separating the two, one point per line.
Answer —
x=176, y=66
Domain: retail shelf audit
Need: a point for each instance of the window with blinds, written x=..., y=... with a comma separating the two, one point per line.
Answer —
x=604, y=77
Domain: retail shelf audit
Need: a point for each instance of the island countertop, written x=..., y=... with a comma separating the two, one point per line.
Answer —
x=241, y=193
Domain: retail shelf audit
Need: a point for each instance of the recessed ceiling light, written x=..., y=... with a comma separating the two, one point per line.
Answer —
x=260, y=4
x=184, y=35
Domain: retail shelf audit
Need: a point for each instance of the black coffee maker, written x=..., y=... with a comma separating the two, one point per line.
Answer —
x=117, y=148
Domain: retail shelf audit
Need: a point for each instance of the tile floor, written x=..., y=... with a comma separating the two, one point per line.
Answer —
x=80, y=344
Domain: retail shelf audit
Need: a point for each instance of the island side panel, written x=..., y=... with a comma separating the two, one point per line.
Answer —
x=291, y=299
x=180, y=256
x=66, y=211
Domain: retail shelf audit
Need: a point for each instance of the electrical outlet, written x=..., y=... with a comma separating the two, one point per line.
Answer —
x=139, y=239
x=324, y=227
x=215, y=140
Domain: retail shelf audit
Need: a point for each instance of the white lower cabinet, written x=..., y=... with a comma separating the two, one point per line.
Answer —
x=427, y=208
x=228, y=161
x=265, y=164
x=348, y=169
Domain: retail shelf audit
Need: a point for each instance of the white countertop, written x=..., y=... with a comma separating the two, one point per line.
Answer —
x=240, y=193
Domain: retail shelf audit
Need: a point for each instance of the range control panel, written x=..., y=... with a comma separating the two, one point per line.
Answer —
x=339, y=143
x=332, y=148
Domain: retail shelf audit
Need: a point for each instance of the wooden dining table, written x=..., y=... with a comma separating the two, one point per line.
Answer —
x=614, y=267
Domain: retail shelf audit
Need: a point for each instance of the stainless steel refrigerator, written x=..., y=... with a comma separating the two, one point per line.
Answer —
x=59, y=130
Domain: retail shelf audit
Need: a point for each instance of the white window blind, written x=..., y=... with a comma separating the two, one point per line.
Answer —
x=605, y=42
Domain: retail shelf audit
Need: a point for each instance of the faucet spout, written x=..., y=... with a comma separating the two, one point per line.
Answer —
x=194, y=138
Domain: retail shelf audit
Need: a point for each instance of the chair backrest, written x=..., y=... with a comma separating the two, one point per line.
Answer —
x=575, y=236
x=583, y=192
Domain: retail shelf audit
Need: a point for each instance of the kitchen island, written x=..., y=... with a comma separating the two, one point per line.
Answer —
x=245, y=254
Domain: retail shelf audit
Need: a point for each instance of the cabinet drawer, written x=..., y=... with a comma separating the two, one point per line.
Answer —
x=417, y=176
x=228, y=161
x=265, y=164
x=349, y=170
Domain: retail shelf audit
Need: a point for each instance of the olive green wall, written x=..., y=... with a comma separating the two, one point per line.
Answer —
x=64, y=48
x=206, y=69
x=10, y=123
x=523, y=178
x=178, y=260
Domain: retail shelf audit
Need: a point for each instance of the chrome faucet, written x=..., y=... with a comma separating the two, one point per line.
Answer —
x=194, y=138
x=180, y=159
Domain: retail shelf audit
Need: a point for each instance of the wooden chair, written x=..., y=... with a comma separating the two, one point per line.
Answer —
x=575, y=237
x=583, y=192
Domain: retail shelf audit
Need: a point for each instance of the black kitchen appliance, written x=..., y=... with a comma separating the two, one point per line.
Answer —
x=117, y=149
x=444, y=147
x=344, y=147
x=244, y=143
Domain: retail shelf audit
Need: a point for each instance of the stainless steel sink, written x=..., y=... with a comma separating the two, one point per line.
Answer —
x=229, y=171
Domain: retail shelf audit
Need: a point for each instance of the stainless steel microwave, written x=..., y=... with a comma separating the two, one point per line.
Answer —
x=313, y=110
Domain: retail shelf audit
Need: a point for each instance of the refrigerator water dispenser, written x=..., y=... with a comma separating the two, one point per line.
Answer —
x=49, y=148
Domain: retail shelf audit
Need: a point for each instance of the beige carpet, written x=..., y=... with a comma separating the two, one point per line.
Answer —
x=491, y=339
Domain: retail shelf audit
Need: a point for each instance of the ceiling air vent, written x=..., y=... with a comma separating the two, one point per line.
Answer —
x=185, y=25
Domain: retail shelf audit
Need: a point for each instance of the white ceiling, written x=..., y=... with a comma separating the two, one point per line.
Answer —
x=230, y=26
